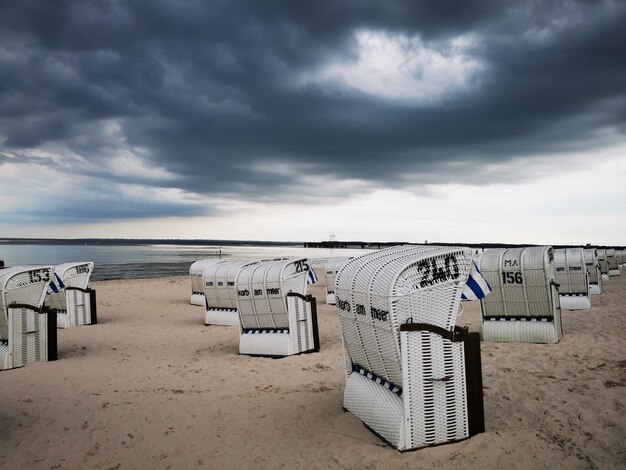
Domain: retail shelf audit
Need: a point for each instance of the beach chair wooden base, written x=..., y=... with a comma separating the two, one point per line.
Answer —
x=574, y=302
x=532, y=330
x=223, y=316
x=198, y=299
x=614, y=272
x=330, y=298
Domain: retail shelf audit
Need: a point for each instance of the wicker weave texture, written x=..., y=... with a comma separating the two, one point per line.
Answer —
x=377, y=407
x=570, y=271
x=22, y=285
x=224, y=317
x=29, y=338
x=219, y=284
x=522, y=331
x=78, y=307
x=593, y=271
x=379, y=291
x=332, y=267
x=262, y=289
x=265, y=344
x=575, y=302
x=301, y=326
x=435, y=391
x=604, y=268
x=611, y=259
x=522, y=280
x=195, y=274
x=524, y=289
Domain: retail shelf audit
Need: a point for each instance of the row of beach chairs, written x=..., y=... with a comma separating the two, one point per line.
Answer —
x=266, y=298
x=34, y=302
x=412, y=375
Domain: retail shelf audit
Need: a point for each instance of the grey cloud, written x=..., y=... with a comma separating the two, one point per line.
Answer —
x=207, y=88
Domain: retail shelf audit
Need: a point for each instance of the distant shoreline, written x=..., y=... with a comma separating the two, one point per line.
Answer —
x=142, y=241
x=308, y=244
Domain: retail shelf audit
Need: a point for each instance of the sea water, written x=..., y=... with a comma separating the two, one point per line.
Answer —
x=151, y=260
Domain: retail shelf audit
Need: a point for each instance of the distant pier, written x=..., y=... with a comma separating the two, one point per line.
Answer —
x=351, y=244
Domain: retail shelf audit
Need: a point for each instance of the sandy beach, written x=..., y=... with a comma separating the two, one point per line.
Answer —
x=151, y=387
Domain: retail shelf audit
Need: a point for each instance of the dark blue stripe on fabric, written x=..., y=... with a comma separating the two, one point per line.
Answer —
x=251, y=331
x=476, y=289
x=374, y=378
x=60, y=282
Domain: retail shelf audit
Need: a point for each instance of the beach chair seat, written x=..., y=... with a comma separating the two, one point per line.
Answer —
x=220, y=292
x=412, y=375
x=27, y=328
x=195, y=274
x=593, y=271
x=70, y=296
x=570, y=273
x=277, y=317
x=331, y=268
x=524, y=303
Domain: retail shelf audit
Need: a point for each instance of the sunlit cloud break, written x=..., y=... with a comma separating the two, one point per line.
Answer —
x=405, y=68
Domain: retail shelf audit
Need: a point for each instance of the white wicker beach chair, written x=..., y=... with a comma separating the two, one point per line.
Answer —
x=195, y=273
x=27, y=329
x=604, y=264
x=71, y=297
x=570, y=273
x=612, y=264
x=276, y=316
x=332, y=267
x=220, y=292
x=412, y=376
x=619, y=255
x=593, y=271
x=524, y=304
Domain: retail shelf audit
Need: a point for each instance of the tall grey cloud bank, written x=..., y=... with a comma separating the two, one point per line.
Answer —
x=249, y=100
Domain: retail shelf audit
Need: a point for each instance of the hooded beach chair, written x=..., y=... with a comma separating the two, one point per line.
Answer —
x=195, y=273
x=331, y=268
x=27, y=329
x=604, y=264
x=570, y=273
x=412, y=375
x=524, y=303
x=593, y=271
x=220, y=292
x=70, y=296
x=619, y=255
x=277, y=317
x=611, y=261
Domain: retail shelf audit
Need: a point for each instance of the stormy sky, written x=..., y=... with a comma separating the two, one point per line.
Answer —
x=375, y=120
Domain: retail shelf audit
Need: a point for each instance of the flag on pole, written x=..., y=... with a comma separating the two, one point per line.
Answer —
x=55, y=287
x=311, y=277
x=476, y=287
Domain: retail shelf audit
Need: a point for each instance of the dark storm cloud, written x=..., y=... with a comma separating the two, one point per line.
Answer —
x=213, y=90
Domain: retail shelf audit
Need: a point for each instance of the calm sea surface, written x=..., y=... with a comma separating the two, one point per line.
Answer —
x=148, y=261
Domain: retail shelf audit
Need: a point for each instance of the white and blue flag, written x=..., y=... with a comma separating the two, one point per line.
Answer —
x=477, y=286
x=311, y=277
x=55, y=287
